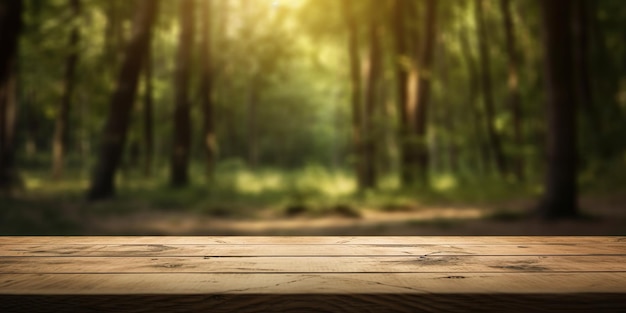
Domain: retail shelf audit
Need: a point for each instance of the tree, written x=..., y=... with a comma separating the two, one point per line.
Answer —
x=10, y=29
x=483, y=159
x=371, y=83
x=581, y=18
x=206, y=89
x=487, y=89
x=403, y=65
x=514, y=98
x=116, y=126
x=560, y=196
x=148, y=114
x=424, y=91
x=182, y=126
x=252, y=123
x=59, y=140
x=355, y=92
x=414, y=63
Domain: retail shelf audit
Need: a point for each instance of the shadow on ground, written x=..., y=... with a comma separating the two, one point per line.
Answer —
x=604, y=215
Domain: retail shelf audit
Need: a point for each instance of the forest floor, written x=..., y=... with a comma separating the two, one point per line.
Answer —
x=608, y=217
x=602, y=215
x=311, y=201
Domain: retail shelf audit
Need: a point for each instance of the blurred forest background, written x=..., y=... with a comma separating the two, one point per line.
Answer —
x=312, y=117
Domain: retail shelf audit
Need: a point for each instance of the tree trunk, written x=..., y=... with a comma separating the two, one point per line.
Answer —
x=223, y=80
x=182, y=125
x=403, y=66
x=372, y=79
x=483, y=159
x=485, y=64
x=423, y=92
x=253, y=99
x=114, y=134
x=514, y=98
x=560, y=185
x=447, y=113
x=32, y=122
x=59, y=141
x=148, y=114
x=584, y=89
x=355, y=93
x=10, y=28
x=206, y=89
x=581, y=54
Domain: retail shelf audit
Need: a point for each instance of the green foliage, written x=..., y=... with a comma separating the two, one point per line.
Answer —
x=295, y=57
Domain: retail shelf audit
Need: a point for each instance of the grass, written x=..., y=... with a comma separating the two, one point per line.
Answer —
x=236, y=192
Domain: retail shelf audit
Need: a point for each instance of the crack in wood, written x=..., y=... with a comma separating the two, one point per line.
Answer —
x=170, y=265
x=344, y=241
x=428, y=260
x=305, y=277
x=452, y=277
x=528, y=265
x=522, y=268
x=446, y=251
x=370, y=282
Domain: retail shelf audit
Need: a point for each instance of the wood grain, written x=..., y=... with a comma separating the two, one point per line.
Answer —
x=311, y=283
x=312, y=274
x=315, y=303
x=280, y=240
x=403, y=264
x=179, y=250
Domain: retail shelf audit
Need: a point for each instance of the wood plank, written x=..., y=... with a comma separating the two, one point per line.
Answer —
x=464, y=292
x=177, y=250
x=311, y=283
x=434, y=240
x=434, y=263
x=298, y=303
x=312, y=274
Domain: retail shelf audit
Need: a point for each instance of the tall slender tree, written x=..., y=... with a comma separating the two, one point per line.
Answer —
x=483, y=159
x=424, y=84
x=355, y=92
x=372, y=78
x=148, y=113
x=206, y=88
x=514, y=98
x=115, y=129
x=252, y=104
x=584, y=88
x=182, y=128
x=403, y=64
x=487, y=89
x=10, y=29
x=560, y=196
x=59, y=140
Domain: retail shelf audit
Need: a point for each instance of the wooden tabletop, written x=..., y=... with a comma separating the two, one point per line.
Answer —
x=312, y=274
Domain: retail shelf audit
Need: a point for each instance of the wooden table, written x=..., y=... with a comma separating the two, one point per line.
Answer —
x=313, y=274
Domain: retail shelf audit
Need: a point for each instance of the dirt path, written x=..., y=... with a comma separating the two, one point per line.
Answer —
x=604, y=216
